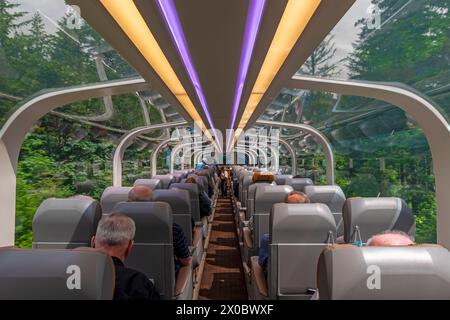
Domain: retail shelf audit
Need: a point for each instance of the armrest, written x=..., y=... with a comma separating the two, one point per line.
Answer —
x=248, y=241
x=198, y=233
x=260, y=279
x=182, y=281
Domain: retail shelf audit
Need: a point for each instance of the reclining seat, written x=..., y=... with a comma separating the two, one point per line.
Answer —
x=298, y=233
x=282, y=179
x=153, y=252
x=193, y=194
x=180, y=204
x=299, y=184
x=370, y=216
x=333, y=197
x=65, y=223
x=153, y=184
x=180, y=174
x=241, y=183
x=43, y=274
x=370, y=273
x=265, y=197
x=166, y=180
x=112, y=196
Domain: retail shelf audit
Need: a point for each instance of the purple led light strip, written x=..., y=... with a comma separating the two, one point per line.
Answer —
x=169, y=12
x=255, y=12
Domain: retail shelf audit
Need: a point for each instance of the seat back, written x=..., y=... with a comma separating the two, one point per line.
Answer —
x=150, y=183
x=192, y=188
x=246, y=182
x=299, y=184
x=65, y=223
x=282, y=179
x=298, y=233
x=402, y=272
x=152, y=253
x=57, y=274
x=180, y=204
x=333, y=197
x=374, y=215
x=265, y=197
x=241, y=176
x=166, y=180
x=250, y=204
x=112, y=196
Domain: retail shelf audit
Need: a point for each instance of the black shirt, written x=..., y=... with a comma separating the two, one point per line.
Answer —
x=180, y=245
x=132, y=284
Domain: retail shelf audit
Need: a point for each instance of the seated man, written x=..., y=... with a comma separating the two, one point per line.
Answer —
x=180, y=244
x=263, y=253
x=115, y=234
x=390, y=239
x=203, y=199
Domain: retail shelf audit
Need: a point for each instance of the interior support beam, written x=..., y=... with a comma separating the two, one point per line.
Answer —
x=319, y=137
x=18, y=125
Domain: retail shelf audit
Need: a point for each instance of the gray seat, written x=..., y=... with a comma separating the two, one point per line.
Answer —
x=112, y=196
x=150, y=183
x=299, y=184
x=193, y=194
x=241, y=176
x=153, y=249
x=166, y=180
x=333, y=197
x=374, y=215
x=65, y=223
x=43, y=274
x=246, y=182
x=265, y=197
x=282, y=179
x=298, y=233
x=405, y=272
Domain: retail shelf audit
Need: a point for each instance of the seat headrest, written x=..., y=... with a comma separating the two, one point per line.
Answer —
x=263, y=177
x=299, y=184
x=52, y=274
x=166, y=180
x=112, y=196
x=375, y=215
x=404, y=272
x=332, y=196
x=282, y=179
x=153, y=220
x=178, y=200
x=267, y=195
x=66, y=220
x=150, y=183
x=192, y=188
x=301, y=223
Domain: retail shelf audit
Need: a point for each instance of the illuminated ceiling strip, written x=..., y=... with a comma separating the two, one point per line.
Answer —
x=128, y=17
x=255, y=12
x=169, y=12
x=296, y=17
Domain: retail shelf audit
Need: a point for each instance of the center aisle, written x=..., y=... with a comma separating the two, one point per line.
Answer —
x=223, y=276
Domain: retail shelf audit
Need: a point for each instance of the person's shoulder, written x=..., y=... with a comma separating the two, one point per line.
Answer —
x=142, y=286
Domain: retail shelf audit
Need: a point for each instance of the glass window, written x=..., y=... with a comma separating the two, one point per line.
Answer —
x=46, y=45
x=403, y=41
x=379, y=149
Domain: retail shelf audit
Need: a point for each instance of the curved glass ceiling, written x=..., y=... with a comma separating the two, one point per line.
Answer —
x=391, y=41
x=45, y=44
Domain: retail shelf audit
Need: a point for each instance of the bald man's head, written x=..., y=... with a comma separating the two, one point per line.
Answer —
x=140, y=194
x=297, y=197
x=390, y=239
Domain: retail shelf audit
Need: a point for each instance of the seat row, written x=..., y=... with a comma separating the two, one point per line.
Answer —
x=63, y=228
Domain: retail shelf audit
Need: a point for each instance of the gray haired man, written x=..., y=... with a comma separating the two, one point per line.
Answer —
x=115, y=237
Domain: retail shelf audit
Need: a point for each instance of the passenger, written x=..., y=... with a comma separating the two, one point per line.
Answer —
x=223, y=182
x=390, y=239
x=263, y=254
x=180, y=245
x=203, y=199
x=115, y=237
